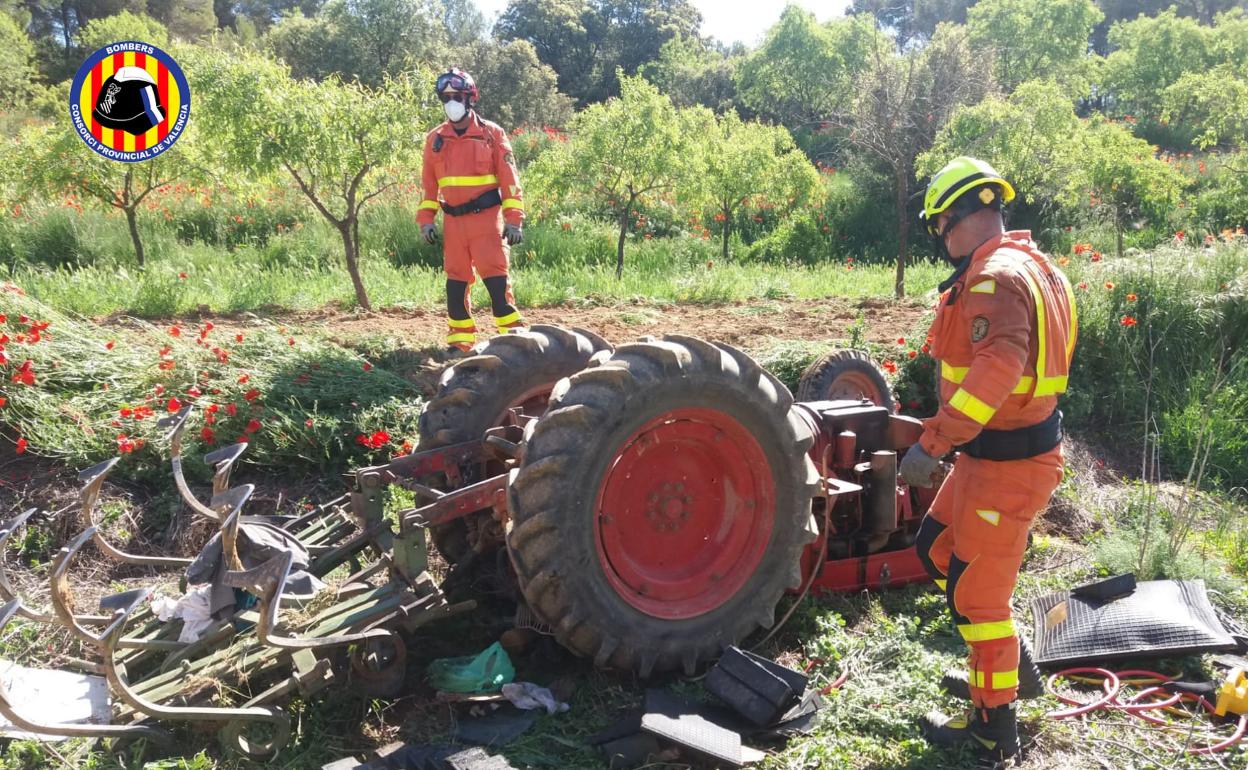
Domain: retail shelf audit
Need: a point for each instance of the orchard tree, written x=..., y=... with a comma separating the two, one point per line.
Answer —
x=900, y=102
x=1150, y=55
x=621, y=152
x=1125, y=179
x=740, y=161
x=342, y=144
x=55, y=162
x=1034, y=38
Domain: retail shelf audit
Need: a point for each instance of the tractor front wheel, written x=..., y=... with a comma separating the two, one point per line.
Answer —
x=662, y=505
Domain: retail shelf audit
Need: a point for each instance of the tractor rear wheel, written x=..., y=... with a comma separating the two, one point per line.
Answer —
x=845, y=374
x=662, y=505
x=511, y=371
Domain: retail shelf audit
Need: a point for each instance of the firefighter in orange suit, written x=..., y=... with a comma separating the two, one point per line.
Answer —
x=1004, y=335
x=470, y=174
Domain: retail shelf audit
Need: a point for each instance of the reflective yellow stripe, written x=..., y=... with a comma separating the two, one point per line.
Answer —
x=512, y=203
x=451, y=339
x=977, y=679
x=942, y=584
x=467, y=181
x=986, y=632
x=466, y=323
x=510, y=318
x=985, y=287
x=956, y=374
x=1045, y=386
x=972, y=407
x=1004, y=680
x=429, y=205
x=992, y=517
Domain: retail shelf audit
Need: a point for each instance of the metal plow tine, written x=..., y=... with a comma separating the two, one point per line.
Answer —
x=225, y=504
x=176, y=421
x=260, y=580
x=222, y=461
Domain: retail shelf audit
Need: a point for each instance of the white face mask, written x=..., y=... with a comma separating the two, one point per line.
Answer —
x=455, y=110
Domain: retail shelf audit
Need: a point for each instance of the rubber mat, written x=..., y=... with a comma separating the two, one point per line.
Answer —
x=673, y=719
x=1162, y=617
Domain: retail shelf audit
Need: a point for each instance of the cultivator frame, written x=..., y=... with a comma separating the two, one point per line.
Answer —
x=840, y=456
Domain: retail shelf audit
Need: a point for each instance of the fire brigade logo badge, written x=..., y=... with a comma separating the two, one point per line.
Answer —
x=129, y=101
x=979, y=328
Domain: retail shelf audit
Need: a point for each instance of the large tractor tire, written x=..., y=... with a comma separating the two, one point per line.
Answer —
x=516, y=370
x=845, y=374
x=662, y=505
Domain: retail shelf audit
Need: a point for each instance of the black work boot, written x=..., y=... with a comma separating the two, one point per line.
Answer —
x=1030, y=681
x=992, y=732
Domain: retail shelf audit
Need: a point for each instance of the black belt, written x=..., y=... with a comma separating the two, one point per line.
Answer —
x=1017, y=444
x=486, y=200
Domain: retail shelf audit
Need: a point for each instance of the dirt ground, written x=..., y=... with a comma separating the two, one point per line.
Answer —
x=749, y=324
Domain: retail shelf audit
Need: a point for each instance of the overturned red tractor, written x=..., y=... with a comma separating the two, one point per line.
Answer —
x=655, y=501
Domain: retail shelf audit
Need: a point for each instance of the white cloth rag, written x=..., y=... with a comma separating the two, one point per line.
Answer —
x=193, y=609
x=526, y=695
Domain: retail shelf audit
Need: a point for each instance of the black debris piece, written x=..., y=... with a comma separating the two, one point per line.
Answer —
x=496, y=729
x=759, y=689
x=476, y=758
x=678, y=721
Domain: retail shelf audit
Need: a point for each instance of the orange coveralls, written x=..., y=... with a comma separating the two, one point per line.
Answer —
x=1004, y=335
x=457, y=169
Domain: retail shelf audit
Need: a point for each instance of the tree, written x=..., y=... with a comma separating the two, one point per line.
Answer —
x=17, y=65
x=1213, y=103
x=620, y=153
x=694, y=73
x=901, y=101
x=185, y=19
x=1030, y=137
x=741, y=161
x=122, y=26
x=1124, y=179
x=342, y=144
x=587, y=41
x=1034, y=38
x=804, y=70
x=913, y=20
x=1150, y=55
x=462, y=22
x=363, y=40
x=516, y=88
x=54, y=161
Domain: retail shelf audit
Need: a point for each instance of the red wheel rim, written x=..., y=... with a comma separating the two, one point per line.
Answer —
x=853, y=386
x=684, y=514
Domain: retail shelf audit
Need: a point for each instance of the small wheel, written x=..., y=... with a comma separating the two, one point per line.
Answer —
x=379, y=666
x=845, y=374
x=511, y=371
x=662, y=505
x=257, y=739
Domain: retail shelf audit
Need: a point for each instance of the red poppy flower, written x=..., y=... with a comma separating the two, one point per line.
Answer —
x=165, y=365
x=1082, y=285
x=238, y=338
x=21, y=445
x=182, y=276
x=109, y=345
x=207, y=435
x=231, y=410
x=251, y=395
x=208, y=326
x=913, y=354
x=368, y=367
x=124, y=444
x=308, y=422
x=21, y=319
x=252, y=426
x=243, y=378
x=166, y=350
x=174, y=331
x=126, y=411
x=380, y=437
x=173, y=405
x=1109, y=285
x=890, y=367
x=1131, y=297
x=212, y=408
x=25, y=374
x=1096, y=256
x=1128, y=320
x=290, y=340
x=3, y=401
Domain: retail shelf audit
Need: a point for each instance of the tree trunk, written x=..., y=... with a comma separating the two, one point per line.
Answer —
x=132, y=219
x=902, y=183
x=1118, y=229
x=727, y=230
x=350, y=248
x=619, y=247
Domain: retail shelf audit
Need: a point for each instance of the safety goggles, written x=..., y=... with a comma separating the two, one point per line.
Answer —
x=454, y=97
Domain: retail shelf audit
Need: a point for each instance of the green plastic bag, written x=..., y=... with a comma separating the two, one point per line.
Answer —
x=486, y=672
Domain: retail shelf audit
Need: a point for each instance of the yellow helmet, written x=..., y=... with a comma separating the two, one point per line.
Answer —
x=958, y=177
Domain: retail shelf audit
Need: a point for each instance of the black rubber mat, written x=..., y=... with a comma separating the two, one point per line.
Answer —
x=673, y=719
x=1161, y=617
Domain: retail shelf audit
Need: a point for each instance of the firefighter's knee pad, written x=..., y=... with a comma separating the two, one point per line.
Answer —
x=929, y=530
